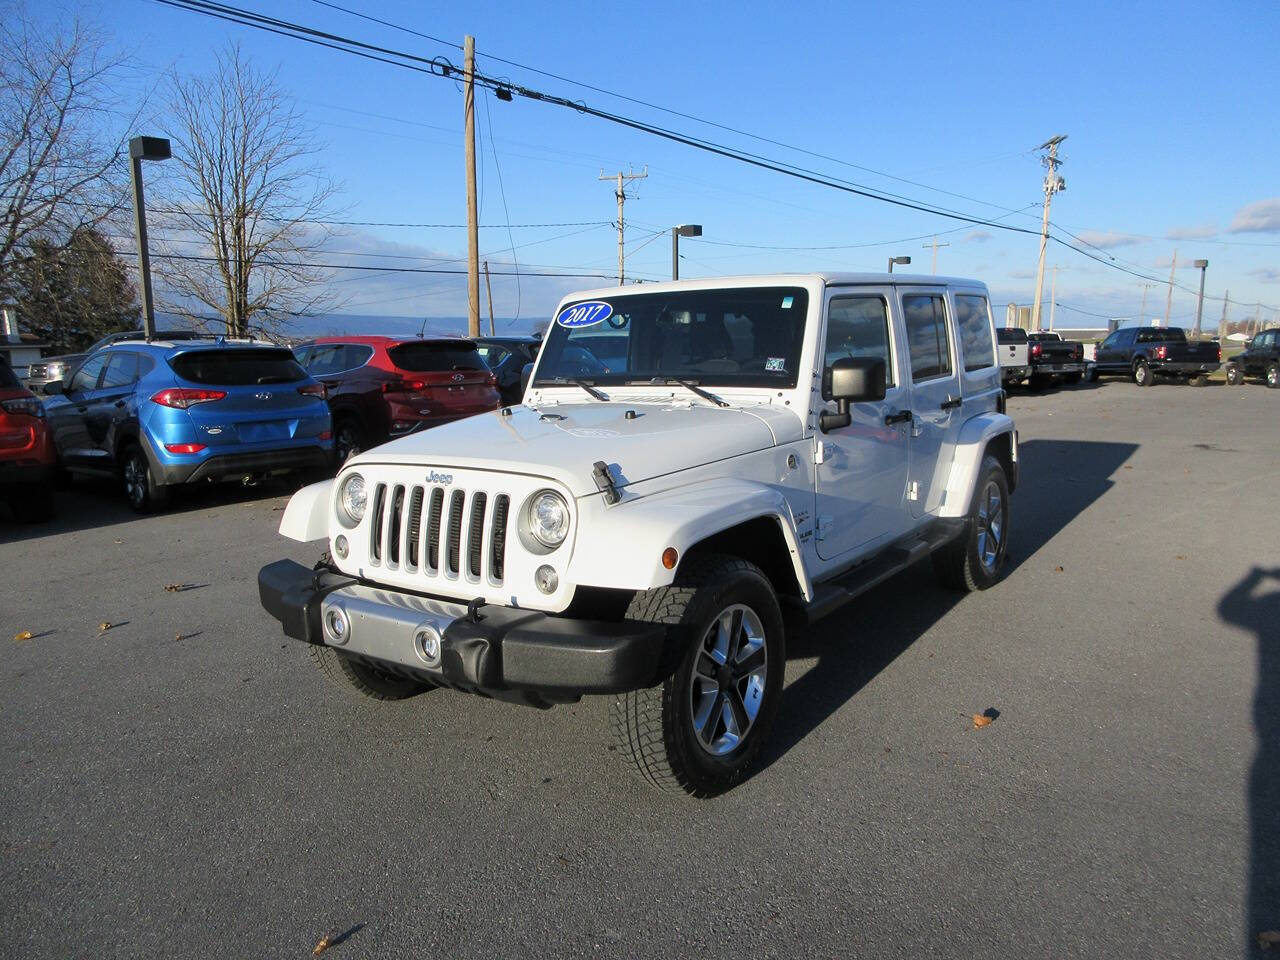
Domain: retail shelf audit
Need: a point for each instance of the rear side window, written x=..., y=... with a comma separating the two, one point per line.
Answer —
x=926, y=316
x=237, y=368
x=429, y=357
x=122, y=370
x=973, y=323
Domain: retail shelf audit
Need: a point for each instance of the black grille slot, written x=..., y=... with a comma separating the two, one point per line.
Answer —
x=475, y=536
x=433, y=529
x=454, y=543
x=397, y=516
x=415, y=526
x=379, y=505
x=498, y=549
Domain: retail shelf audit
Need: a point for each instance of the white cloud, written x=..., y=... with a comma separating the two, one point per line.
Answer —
x=977, y=236
x=1260, y=217
x=1108, y=240
x=1266, y=274
x=1201, y=232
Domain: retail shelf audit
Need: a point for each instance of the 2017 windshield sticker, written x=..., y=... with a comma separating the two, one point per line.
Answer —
x=584, y=314
x=775, y=365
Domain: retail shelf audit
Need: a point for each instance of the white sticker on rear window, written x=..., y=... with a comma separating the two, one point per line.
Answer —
x=776, y=364
x=787, y=302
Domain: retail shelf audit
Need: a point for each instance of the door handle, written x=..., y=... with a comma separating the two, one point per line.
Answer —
x=951, y=403
x=903, y=416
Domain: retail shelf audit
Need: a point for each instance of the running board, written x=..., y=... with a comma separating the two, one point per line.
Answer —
x=832, y=594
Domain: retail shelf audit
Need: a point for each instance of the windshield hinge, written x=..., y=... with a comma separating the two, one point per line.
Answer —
x=604, y=481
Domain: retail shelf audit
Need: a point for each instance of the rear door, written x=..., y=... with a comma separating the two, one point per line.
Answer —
x=110, y=404
x=935, y=394
x=261, y=403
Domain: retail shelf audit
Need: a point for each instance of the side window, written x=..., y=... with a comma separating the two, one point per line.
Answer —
x=86, y=377
x=926, y=318
x=973, y=323
x=857, y=327
x=122, y=370
x=303, y=355
x=1112, y=341
x=355, y=355
x=326, y=359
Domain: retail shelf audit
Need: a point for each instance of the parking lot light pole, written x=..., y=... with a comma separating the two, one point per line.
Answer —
x=901, y=261
x=145, y=148
x=684, y=230
x=1202, y=264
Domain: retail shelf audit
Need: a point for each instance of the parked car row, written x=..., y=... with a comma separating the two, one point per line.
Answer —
x=1140, y=353
x=184, y=407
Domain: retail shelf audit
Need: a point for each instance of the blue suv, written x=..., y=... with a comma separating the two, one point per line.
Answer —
x=165, y=413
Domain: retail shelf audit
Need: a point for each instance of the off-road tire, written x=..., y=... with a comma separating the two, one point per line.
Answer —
x=1272, y=378
x=653, y=728
x=959, y=565
x=1235, y=376
x=360, y=678
x=1142, y=374
x=138, y=479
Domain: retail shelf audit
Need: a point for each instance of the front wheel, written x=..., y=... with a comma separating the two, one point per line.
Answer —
x=1273, y=375
x=1235, y=376
x=1142, y=374
x=144, y=493
x=975, y=559
x=700, y=729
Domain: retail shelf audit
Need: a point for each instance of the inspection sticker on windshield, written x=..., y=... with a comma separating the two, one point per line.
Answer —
x=584, y=314
x=775, y=365
x=787, y=302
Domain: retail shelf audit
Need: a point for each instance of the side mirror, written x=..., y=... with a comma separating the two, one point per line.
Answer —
x=525, y=373
x=54, y=388
x=853, y=380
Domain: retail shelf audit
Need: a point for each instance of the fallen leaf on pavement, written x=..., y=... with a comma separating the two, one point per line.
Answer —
x=24, y=635
x=1128, y=467
x=321, y=947
x=1268, y=939
x=1180, y=557
x=1057, y=569
x=104, y=626
x=117, y=541
x=980, y=721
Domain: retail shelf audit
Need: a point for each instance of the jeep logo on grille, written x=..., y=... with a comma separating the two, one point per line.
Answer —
x=444, y=479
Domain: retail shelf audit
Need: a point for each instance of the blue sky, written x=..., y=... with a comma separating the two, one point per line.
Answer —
x=1169, y=109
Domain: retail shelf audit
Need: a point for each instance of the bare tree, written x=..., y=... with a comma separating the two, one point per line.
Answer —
x=245, y=188
x=62, y=135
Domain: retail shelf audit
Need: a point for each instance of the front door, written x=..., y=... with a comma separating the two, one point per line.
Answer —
x=935, y=395
x=862, y=473
x=68, y=415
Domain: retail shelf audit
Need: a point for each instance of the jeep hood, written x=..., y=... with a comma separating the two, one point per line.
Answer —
x=564, y=441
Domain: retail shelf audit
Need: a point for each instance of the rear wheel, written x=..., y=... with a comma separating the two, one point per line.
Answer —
x=1235, y=376
x=1142, y=374
x=974, y=560
x=700, y=729
x=348, y=439
x=1273, y=375
x=1090, y=373
x=365, y=680
x=141, y=490
x=1199, y=380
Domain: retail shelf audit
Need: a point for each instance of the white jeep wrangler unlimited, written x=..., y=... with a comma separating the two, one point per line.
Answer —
x=694, y=465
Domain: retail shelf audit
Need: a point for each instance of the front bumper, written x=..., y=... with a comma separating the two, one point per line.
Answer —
x=493, y=650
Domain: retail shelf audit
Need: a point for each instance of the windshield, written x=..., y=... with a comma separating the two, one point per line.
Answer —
x=748, y=337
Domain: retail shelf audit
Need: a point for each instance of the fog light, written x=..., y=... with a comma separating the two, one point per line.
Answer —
x=335, y=624
x=426, y=644
x=546, y=579
x=340, y=546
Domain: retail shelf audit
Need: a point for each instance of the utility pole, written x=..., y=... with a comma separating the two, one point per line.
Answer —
x=1222, y=324
x=1168, y=303
x=1201, y=265
x=935, y=245
x=1052, y=184
x=1053, y=294
x=621, y=193
x=489, y=289
x=469, y=137
x=1142, y=314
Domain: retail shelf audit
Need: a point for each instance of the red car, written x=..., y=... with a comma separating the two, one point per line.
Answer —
x=385, y=387
x=28, y=459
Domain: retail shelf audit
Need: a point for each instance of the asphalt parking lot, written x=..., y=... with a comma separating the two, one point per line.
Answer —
x=186, y=784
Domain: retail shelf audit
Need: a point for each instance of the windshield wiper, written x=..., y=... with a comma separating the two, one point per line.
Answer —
x=693, y=386
x=584, y=384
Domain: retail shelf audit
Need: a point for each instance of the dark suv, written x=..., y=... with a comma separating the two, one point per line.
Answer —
x=384, y=387
x=507, y=357
x=1261, y=358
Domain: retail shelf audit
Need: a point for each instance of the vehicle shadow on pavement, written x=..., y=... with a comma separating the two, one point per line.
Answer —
x=1059, y=480
x=90, y=503
x=1254, y=605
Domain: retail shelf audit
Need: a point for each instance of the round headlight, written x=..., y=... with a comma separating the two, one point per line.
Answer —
x=352, y=499
x=549, y=518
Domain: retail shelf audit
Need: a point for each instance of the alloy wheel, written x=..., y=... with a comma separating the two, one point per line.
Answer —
x=990, y=522
x=727, y=683
x=135, y=479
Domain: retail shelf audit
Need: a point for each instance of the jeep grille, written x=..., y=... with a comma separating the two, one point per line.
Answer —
x=439, y=532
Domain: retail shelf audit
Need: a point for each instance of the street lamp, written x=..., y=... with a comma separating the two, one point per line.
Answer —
x=900, y=261
x=1202, y=264
x=145, y=148
x=684, y=230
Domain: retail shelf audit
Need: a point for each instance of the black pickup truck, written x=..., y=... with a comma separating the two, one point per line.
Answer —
x=1052, y=358
x=1145, y=352
x=1261, y=358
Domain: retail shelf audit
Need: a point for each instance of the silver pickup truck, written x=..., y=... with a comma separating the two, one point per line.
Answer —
x=1012, y=347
